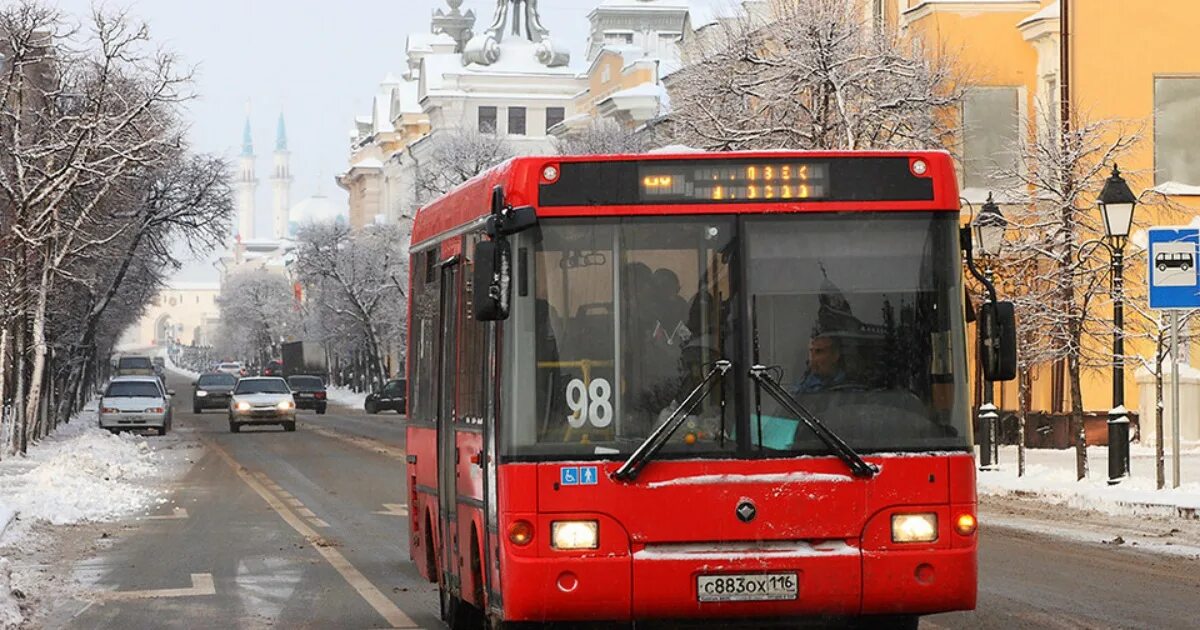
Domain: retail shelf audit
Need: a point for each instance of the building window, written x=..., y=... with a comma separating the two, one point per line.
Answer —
x=1176, y=132
x=618, y=38
x=487, y=119
x=991, y=132
x=516, y=121
x=555, y=115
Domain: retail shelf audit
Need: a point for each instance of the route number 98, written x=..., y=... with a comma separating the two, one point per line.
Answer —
x=589, y=403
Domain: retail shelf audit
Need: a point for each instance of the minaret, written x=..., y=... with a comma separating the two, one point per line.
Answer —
x=281, y=183
x=247, y=187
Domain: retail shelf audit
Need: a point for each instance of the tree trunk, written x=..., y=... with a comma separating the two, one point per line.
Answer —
x=20, y=433
x=39, y=345
x=1077, y=426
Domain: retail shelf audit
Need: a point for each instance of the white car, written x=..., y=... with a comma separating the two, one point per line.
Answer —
x=136, y=403
x=233, y=368
x=262, y=400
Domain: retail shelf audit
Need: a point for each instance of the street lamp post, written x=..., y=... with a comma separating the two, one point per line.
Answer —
x=1116, y=203
x=988, y=230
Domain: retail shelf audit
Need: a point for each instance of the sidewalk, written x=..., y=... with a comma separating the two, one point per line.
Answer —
x=1050, y=477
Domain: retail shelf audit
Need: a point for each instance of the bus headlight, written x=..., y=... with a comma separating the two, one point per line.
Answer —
x=575, y=534
x=910, y=528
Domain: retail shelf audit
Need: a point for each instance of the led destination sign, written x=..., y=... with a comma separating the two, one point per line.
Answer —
x=734, y=182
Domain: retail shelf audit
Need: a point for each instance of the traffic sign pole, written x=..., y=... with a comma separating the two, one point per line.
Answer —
x=1174, y=399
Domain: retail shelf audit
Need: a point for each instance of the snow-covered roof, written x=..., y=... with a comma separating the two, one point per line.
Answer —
x=642, y=89
x=425, y=42
x=707, y=15
x=1050, y=12
x=405, y=99
x=316, y=209
x=381, y=118
x=367, y=163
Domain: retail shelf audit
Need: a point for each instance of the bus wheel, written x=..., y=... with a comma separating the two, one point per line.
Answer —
x=457, y=614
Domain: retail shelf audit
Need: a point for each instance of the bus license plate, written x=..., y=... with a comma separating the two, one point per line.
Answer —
x=746, y=587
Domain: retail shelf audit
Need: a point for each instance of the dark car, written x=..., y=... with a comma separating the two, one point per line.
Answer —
x=212, y=391
x=394, y=396
x=309, y=392
x=273, y=368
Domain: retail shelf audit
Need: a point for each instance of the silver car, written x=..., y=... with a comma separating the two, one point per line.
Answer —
x=136, y=403
x=262, y=400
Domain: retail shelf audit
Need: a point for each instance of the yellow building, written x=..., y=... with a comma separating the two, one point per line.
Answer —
x=1133, y=62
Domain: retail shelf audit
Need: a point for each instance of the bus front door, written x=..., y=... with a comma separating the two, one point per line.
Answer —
x=446, y=443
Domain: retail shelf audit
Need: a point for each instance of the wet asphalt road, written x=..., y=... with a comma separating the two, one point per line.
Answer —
x=307, y=530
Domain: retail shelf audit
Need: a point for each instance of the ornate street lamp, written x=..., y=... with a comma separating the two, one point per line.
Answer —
x=988, y=234
x=1116, y=203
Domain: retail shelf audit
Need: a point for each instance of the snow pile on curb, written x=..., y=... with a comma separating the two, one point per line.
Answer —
x=178, y=370
x=81, y=473
x=1050, y=476
x=346, y=398
x=10, y=612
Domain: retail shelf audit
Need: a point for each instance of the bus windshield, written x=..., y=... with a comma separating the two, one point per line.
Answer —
x=859, y=314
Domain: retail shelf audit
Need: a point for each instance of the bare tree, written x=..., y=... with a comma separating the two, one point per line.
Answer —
x=77, y=127
x=454, y=156
x=96, y=185
x=603, y=137
x=1054, y=184
x=356, y=280
x=258, y=310
x=812, y=74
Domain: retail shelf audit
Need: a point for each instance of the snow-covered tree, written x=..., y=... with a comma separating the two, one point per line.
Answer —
x=812, y=74
x=258, y=311
x=453, y=157
x=1062, y=285
x=603, y=137
x=92, y=158
x=355, y=283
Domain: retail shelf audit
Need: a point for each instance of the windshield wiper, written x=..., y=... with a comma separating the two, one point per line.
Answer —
x=653, y=444
x=761, y=375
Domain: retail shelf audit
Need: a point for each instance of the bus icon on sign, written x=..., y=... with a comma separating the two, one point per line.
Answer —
x=1174, y=260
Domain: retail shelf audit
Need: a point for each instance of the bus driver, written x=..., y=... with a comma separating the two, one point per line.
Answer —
x=825, y=368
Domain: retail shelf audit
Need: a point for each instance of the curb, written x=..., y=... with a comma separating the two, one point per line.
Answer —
x=1184, y=512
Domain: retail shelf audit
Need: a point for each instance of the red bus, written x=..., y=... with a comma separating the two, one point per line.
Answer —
x=693, y=387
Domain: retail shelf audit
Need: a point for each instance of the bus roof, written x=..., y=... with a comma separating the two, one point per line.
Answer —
x=866, y=178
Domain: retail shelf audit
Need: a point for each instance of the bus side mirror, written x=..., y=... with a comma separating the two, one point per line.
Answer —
x=998, y=341
x=492, y=280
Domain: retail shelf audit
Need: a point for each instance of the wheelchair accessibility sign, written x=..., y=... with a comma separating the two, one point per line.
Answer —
x=577, y=476
x=1174, y=283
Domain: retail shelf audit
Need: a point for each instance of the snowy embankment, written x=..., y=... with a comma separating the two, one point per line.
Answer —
x=10, y=610
x=80, y=473
x=346, y=397
x=1050, y=476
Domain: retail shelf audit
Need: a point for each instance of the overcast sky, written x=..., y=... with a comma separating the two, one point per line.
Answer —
x=317, y=61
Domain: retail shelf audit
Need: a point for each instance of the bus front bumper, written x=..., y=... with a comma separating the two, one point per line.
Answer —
x=660, y=583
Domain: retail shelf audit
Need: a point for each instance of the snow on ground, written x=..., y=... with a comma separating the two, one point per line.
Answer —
x=10, y=611
x=178, y=370
x=80, y=473
x=346, y=397
x=1050, y=476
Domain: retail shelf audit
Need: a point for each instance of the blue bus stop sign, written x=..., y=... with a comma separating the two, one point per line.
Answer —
x=1174, y=280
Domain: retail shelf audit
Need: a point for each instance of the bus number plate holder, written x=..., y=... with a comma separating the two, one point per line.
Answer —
x=747, y=587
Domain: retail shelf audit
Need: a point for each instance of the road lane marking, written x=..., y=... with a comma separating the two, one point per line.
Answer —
x=365, y=443
x=318, y=522
x=368, y=591
x=202, y=584
x=176, y=513
x=394, y=509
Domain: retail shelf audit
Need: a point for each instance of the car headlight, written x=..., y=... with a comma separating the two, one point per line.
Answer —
x=201, y=393
x=286, y=404
x=574, y=534
x=910, y=528
x=243, y=406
